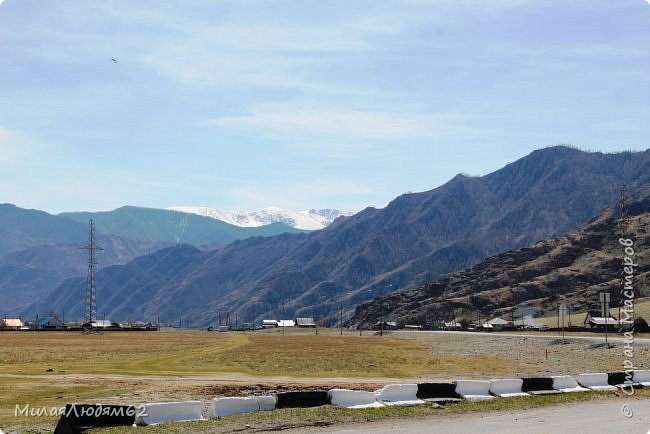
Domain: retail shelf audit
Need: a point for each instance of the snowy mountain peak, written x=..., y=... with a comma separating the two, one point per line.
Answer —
x=310, y=220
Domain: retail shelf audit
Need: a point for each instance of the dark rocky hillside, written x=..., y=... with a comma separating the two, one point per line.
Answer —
x=571, y=269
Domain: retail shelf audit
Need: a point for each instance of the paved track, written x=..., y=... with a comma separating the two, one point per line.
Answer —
x=603, y=416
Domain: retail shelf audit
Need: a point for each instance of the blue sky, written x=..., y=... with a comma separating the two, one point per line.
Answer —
x=304, y=104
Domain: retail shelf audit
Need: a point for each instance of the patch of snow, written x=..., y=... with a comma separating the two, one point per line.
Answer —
x=310, y=220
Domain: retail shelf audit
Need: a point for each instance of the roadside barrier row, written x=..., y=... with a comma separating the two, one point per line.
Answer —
x=93, y=415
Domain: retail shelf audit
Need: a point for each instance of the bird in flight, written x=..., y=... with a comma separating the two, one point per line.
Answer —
x=114, y=60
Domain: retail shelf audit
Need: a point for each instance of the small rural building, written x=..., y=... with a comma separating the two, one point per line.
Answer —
x=594, y=320
x=12, y=323
x=269, y=323
x=134, y=324
x=306, y=322
x=451, y=325
x=500, y=324
x=286, y=323
x=413, y=327
x=49, y=323
x=102, y=324
x=388, y=325
x=486, y=326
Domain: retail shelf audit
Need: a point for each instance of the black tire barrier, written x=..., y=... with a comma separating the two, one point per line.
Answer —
x=64, y=427
x=538, y=386
x=438, y=392
x=302, y=399
x=79, y=417
x=621, y=378
x=616, y=378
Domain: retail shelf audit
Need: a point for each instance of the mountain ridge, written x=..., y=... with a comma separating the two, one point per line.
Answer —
x=153, y=224
x=533, y=280
x=416, y=239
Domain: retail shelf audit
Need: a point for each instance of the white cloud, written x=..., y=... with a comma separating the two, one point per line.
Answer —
x=275, y=38
x=336, y=124
x=273, y=53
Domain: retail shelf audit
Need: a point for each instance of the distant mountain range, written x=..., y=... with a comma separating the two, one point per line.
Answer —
x=416, y=239
x=21, y=228
x=38, y=251
x=25, y=275
x=151, y=224
x=532, y=281
x=310, y=220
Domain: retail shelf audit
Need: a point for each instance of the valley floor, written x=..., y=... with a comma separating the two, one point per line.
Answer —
x=51, y=369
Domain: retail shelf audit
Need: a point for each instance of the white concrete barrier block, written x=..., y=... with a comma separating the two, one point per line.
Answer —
x=595, y=381
x=566, y=384
x=353, y=398
x=642, y=377
x=507, y=388
x=153, y=413
x=266, y=403
x=221, y=407
x=474, y=390
x=398, y=395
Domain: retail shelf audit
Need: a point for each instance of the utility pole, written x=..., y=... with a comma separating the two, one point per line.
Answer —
x=562, y=311
x=604, y=301
x=341, y=316
x=381, y=330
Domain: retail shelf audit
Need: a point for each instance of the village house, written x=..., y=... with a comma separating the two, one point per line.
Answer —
x=497, y=324
x=286, y=323
x=49, y=323
x=594, y=320
x=452, y=325
x=306, y=322
x=269, y=323
x=387, y=325
x=12, y=324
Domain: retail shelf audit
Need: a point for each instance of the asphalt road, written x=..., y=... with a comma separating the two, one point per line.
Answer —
x=603, y=416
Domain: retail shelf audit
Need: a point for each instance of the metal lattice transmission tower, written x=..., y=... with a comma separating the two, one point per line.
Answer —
x=91, y=305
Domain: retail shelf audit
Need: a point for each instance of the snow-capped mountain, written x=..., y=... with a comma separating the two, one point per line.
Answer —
x=309, y=220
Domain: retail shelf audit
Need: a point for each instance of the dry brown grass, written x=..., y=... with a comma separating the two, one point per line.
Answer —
x=130, y=368
x=349, y=356
x=296, y=354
